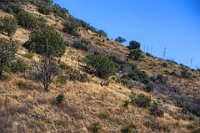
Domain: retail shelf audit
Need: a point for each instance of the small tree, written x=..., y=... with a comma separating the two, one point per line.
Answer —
x=44, y=71
x=46, y=41
x=120, y=39
x=101, y=32
x=71, y=26
x=134, y=45
x=7, y=54
x=26, y=20
x=8, y=25
x=104, y=66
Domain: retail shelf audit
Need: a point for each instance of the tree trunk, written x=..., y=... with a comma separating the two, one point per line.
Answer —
x=1, y=73
x=46, y=87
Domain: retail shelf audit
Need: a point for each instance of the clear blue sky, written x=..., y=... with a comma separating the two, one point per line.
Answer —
x=156, y=24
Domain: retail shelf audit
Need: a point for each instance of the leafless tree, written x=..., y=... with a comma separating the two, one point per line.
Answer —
x=44, y=71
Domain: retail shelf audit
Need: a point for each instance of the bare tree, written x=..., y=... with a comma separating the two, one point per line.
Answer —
x=44, y=71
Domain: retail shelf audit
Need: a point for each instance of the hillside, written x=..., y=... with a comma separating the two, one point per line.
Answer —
x=90, y=104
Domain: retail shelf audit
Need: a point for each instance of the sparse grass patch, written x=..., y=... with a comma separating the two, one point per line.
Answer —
x=104, y=115
x=130, y=128
x=61, y=80
x=25, y=85
x=155, y=110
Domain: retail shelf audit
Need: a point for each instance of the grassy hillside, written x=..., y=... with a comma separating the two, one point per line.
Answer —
x=143, y=95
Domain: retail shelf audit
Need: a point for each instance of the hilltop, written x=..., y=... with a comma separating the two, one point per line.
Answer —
x=101, y=85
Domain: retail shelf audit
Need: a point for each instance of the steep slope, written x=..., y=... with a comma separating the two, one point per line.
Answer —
x=25, y=107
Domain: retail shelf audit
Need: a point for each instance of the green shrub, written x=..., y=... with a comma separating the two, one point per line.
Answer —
x=130, y=128
x=18, y=66
x=155, y=110
x=26, y=20
x=149, y=87
x=7, y=52
x=126, y=103
x=137, y=74
x=71, y=26
x=140, y=100
x=134, y=45
x=101, y=33
x=148, y=54
x=164, y=64
x=82, y=45
x=29, y=55
x=59, y=11
x=127, y=82
x=8, y=25
x=60, y=98
x=44, y=9
x=95, y=127
x=135, y=54
x=46, y=40
x=104, y=66
x=120, y=39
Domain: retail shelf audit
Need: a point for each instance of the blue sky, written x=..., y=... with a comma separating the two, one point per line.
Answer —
x=156, y=24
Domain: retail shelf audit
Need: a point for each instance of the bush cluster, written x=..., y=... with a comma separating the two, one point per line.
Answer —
x=46, y=41
x=135, y=51
x=18, y=66
x=102, y=65
x=8, y=25
x=140, y=100
x=26, y=20
x=81, y=44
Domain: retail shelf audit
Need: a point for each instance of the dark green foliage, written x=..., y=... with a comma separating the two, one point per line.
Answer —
x=101, y=32
x=26, y=20
x=135, y=54
x=164, y=64
x=44, y=9
x=148, y=54
x=46, y=41
x=126, y=81
x=71, y=26
x=134, y=45
x=82, y=45
x=18, y=66
x=59, y=11
x=155, y=110
x=140, y=100
x=120, y=39
x=130, y=128
x=95, y=127
x=126, y=103
x=137, y=74
x=103, y=66
x=60, y=98
x=8, y=25
x=10, y=6
x=7, y=54
x=29, y=55
x=149, y=87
